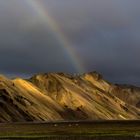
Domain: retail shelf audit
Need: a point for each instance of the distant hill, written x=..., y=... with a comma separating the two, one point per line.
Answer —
x=59, y=96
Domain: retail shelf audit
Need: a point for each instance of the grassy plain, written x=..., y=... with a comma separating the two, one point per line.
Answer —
x=85, y=130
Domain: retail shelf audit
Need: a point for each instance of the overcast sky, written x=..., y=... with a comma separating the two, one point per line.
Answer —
x=105, y=35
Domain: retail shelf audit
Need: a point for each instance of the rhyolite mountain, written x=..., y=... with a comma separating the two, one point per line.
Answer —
x=60, y=97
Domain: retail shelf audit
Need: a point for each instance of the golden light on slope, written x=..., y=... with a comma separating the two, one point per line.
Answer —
x=58, y=96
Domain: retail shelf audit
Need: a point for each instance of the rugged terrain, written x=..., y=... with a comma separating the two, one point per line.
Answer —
x=59, y=97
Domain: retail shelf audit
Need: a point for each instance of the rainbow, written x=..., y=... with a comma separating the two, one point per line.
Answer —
x=43, y=13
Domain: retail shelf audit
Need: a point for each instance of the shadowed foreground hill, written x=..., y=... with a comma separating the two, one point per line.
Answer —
x=59, y=96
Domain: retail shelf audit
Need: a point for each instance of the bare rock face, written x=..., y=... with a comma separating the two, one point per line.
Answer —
x=59, y=96
x=128, y=94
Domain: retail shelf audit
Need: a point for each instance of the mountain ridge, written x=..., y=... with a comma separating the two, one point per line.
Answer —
x=61, y=96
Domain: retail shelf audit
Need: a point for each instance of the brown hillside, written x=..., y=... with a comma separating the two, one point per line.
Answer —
x=59, y=96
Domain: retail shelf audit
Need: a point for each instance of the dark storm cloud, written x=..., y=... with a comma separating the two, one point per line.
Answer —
x=105, y=34
x=27, y=45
